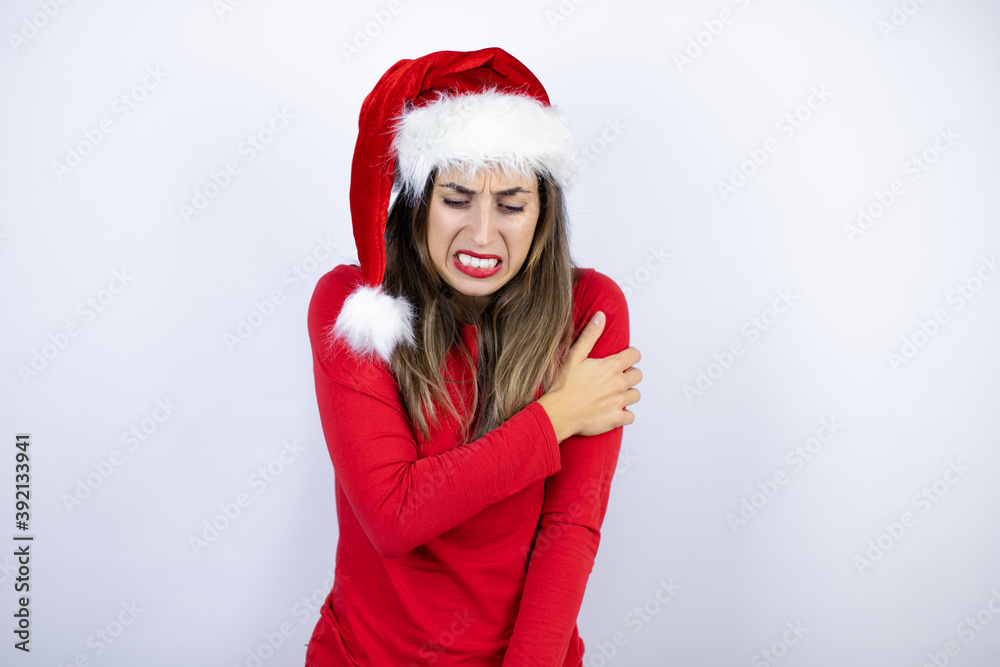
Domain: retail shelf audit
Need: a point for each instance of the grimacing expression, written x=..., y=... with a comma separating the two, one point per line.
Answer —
x=480, y=227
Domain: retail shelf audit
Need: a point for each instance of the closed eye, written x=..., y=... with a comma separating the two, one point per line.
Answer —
x=462, y=203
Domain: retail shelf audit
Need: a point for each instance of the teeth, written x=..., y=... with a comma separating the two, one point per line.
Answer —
x=475, y=262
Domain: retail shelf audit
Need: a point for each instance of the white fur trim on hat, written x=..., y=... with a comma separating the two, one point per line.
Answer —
x=486, y=130
x=372, y=320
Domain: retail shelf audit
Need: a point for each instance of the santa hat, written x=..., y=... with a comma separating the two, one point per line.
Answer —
x=476, y=109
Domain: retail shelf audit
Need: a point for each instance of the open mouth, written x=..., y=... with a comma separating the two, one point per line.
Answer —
x=476, y=267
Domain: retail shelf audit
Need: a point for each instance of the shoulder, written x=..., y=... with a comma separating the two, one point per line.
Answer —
x=329, y=295
x=593, y=291
x=331, y=353
x=591, y=283
x=338, y=281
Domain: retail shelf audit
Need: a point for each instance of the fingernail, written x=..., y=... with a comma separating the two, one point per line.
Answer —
x=598, y=319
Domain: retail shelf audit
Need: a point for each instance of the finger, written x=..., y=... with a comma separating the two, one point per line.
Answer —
x=634, y=376
x=588, y=337
x=632, y=396
x=626, y=358
x=633, y=355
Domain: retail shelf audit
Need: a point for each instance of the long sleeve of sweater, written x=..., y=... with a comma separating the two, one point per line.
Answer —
x=576, y=500
x=401, y=500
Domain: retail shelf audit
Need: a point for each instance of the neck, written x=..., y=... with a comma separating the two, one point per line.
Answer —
x=470, y=306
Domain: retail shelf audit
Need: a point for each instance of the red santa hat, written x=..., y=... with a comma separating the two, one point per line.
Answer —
x=478, y=110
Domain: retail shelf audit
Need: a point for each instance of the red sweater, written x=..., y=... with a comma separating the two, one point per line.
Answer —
x=433, y=564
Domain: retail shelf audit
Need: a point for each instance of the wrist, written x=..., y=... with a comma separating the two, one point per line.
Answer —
x=553, y=407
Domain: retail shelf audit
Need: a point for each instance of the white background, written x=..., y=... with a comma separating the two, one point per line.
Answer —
x=688, y=462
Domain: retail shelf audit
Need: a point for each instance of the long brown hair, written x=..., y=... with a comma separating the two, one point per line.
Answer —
x=524, y=331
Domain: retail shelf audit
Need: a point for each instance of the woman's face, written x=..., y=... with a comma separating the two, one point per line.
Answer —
x=472, y=220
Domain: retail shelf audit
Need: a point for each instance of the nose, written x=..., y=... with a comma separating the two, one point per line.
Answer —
x=483, y=226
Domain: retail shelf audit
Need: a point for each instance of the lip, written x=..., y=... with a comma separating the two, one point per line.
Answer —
x=472, y=271
x=476, y=254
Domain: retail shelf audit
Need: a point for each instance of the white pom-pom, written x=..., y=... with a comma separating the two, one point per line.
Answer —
x=371, y=320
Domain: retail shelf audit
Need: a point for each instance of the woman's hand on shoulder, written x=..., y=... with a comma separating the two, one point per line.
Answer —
x=589, y=396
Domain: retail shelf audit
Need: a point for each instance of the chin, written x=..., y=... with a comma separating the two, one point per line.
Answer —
x=482, y=291
x=474, y=287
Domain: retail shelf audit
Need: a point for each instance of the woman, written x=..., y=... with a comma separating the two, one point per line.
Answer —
x=473, y=441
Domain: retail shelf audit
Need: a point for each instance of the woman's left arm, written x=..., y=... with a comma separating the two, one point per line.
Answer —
x=576, y=499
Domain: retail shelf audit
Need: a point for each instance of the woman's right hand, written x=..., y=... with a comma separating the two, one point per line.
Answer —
x=589, y=395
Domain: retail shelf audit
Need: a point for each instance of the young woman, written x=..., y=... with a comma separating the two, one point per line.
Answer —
x=472, y=381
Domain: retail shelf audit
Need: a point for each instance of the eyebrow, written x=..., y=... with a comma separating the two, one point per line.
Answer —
x=467, y=191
